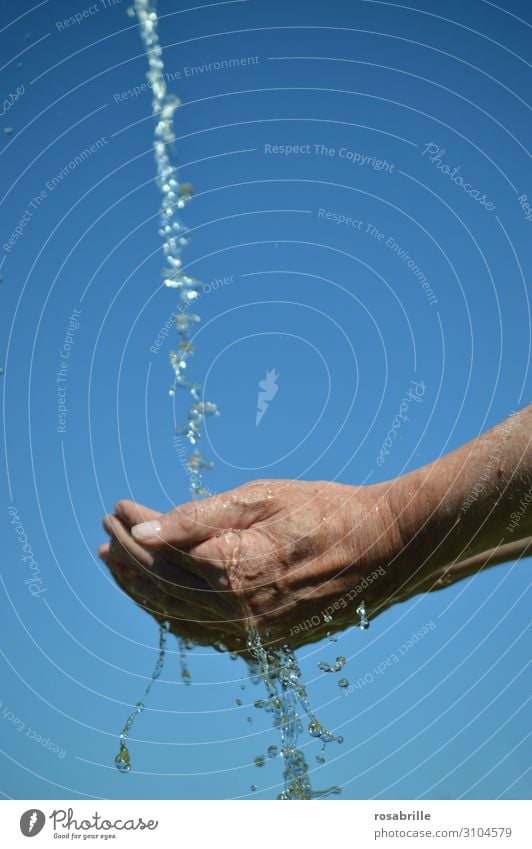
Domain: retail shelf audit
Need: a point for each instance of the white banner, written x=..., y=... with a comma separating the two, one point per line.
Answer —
x=352, y=824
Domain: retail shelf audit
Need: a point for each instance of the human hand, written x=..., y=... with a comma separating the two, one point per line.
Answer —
x=284, y=555
x=275, y=553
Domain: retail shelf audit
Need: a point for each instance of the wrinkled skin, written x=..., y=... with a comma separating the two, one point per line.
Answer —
x=275, y=553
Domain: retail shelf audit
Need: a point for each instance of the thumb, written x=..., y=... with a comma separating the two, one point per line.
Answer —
x=196, y=521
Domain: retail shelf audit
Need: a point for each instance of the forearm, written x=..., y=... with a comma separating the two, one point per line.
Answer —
x=461, y=569
x=462, y=504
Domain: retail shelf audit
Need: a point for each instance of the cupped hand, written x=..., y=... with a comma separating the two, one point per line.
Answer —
x=293, y=558
x=276, y=553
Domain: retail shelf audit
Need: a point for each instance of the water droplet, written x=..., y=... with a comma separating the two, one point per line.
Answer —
x=361, y=613
x=184, y=320
x=343, y=682
x=239, y=702
x=273, y=751
x=336, y=667
x=185, y=194
x=253, y=787
x=123, y=759
x=260, y=760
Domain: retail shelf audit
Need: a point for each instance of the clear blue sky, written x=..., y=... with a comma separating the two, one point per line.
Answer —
x=333, y=308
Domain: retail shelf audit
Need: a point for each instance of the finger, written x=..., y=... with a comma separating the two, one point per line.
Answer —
x=131, y=513
x=187, y=610
x=123, y=547
x=196, y=521
x=136, y=585
x=234, y=558
x=190, y=588
x=103, y=551
x=206, y=626
x=169, y=577
x=180, y=611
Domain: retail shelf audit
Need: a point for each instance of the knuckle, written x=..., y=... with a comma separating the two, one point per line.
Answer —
x=186, y=515
x=219, y=551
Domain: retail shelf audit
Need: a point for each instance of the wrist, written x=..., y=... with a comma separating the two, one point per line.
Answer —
x=461, y=505
x=376, y=565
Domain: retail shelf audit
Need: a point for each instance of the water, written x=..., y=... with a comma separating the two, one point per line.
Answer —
x=184, y=646
x=277, y=667
x=363, y=619
x=286, y=694
x=335, y=667
x=279, y=670
x=174, y=196
x=123, y=758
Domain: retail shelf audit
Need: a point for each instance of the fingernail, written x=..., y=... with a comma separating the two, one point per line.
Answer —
x=147, y=530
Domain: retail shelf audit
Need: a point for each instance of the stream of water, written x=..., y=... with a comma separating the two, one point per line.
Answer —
x=287, y=699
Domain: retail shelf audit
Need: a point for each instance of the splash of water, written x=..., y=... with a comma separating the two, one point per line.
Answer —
x=279, y=670
x=286, y=694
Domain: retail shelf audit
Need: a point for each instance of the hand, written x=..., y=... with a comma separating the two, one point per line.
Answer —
x=277, y=553
x=280, y=554
x=193, y=611
x=274, y=552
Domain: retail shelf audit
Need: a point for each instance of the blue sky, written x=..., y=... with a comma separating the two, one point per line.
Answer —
x=314, y=137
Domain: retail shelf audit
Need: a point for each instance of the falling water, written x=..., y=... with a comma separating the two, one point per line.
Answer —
x=363, y=619
x=174, y=196
x=279, y=670
x=286, y=694
x=123, y=758
x=277, y=667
